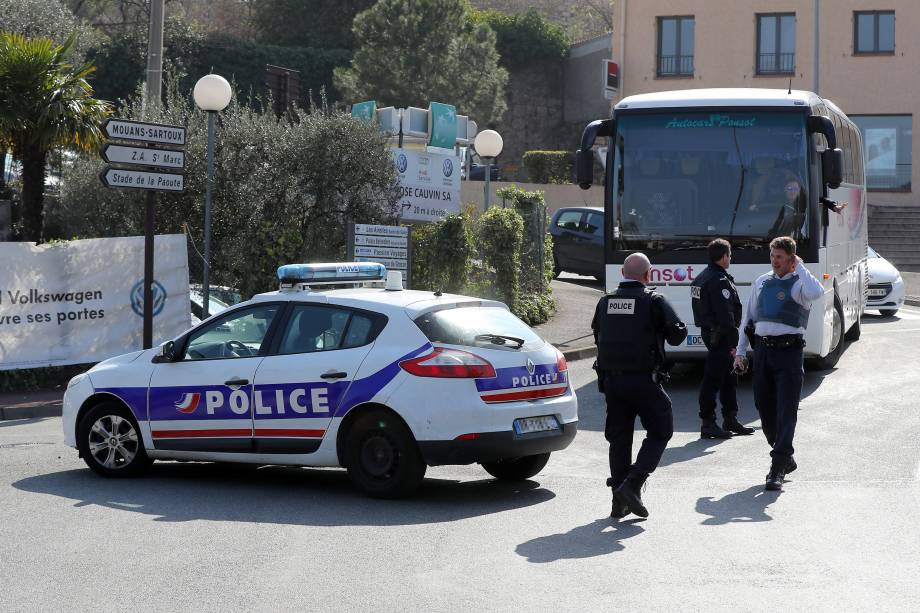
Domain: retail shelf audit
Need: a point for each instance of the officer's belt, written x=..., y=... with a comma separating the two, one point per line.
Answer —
x=628, y=372
x=781, y=341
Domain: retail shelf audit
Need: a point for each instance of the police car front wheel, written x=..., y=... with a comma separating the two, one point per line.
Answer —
x=382, y=457
x=110, y=442
x=517, y=469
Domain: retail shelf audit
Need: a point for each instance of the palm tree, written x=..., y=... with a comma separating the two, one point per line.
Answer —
x=45, y=102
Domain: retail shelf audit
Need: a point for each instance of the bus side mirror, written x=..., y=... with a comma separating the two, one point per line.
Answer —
x=584, y=168
x=832, y=167
x=584, y=157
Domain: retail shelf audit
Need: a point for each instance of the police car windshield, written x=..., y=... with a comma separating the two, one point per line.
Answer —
x=476, y=327
x=682, y=179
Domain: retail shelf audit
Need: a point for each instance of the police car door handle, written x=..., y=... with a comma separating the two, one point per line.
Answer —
x=236, y=382
x=333, y=374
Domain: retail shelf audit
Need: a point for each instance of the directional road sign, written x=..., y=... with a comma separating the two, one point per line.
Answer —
x=143, y=156
x=124, y=129
x=139, y=179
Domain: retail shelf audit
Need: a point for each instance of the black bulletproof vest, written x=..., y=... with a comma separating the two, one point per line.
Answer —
x=626, y=338
x=699, y=300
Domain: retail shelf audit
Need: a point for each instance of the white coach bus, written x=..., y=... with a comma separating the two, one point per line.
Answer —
x=747, y=165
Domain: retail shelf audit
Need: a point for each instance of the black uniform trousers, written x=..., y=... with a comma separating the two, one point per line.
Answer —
x=718, y=378
x=778, y=376
x=629, y=396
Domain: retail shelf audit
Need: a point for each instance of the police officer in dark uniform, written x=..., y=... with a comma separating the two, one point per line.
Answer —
x=630, y=326
x=717, y=313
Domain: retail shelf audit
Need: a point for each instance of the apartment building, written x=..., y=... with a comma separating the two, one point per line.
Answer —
x=862, y=54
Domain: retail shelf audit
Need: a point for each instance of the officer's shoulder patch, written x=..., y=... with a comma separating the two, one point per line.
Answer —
x=695, y=292
x=726, y=294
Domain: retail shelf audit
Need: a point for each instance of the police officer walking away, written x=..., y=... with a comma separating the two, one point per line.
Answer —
x=779, y=307
x=717, y=312
x=629, y=328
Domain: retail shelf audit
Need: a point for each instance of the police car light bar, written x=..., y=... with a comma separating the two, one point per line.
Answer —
x=332, y=273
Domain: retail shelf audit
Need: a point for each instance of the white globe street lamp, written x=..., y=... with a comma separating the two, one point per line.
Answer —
x=212, y=94
x=488, y=145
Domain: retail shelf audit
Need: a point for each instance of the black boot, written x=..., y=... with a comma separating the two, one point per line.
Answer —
x=629, y=494
x=618, y=510
x=734, y=426
x=791, y=465
x=776, y=476
x=710, y=429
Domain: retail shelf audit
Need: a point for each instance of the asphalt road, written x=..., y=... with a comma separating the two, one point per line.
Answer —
x=843, y=535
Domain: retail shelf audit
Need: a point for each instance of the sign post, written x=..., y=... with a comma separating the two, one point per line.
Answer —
x=151, y=181
x=387, y=245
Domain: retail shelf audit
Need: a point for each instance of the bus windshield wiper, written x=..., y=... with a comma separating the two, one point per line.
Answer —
x=731, y=228
x=500, y=339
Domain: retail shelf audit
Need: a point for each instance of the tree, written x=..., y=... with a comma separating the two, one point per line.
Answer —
x=525, y=37
x=415, y=51
x=283, y=191
x=44, y=102
x=322, y=24
x=47, y=19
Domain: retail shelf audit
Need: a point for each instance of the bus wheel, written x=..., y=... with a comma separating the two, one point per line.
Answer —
x=837, y=341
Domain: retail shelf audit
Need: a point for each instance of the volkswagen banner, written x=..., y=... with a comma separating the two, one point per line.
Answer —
x=430, y=184
x=83, y=301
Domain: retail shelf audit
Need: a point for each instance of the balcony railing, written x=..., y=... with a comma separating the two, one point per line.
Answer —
x=674, y=65
x=776, y=63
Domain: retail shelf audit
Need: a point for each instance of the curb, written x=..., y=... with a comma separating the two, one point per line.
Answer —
x=912, y=300
x=47, y=410
x=580, y=353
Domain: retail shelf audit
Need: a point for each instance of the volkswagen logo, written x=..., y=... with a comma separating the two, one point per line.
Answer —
x=448, y=167
x=530, y=366
x=137, y=297
x=402, y=162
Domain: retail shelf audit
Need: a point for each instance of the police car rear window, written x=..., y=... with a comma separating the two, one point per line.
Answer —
x=463, y=325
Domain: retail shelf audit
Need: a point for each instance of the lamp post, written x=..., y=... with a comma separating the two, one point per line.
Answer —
x=212, y=94
x=488, y=145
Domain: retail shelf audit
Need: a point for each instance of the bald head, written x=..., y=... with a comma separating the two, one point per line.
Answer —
x=635, y=266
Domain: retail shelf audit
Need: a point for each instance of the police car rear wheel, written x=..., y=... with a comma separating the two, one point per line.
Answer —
x=517, y=469
x=382, y=457
x=110, y=442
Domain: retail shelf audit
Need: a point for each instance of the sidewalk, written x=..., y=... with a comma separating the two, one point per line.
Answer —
x=570, y=329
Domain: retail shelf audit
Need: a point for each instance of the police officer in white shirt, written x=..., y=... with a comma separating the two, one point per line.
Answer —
x=779, y=306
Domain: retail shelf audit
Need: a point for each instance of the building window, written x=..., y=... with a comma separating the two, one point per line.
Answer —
x=873, y=32
x=776, y=44
x=675, y=46
x=887, y=146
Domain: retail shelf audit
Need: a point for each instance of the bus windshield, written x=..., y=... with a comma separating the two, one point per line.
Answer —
x=681, y=179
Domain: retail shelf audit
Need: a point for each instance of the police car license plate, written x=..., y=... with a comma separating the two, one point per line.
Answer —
x=877, y=292
x=694, y=340
x=543, y=423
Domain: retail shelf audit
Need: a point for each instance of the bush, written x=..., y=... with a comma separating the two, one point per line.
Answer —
x=501, y=234
x=453, y=247
x=524, y=38
x=549, y=166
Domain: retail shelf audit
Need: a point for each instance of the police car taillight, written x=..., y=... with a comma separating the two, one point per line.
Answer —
x=448, y=363
x=561, y=364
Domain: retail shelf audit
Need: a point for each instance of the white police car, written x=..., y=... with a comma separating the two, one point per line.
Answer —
x=382, y=381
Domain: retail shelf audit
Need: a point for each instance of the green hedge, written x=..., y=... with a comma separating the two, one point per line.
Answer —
x=549, y=166
x=494, y=255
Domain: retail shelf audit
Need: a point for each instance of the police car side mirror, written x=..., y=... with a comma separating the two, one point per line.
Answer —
x=167, y=353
